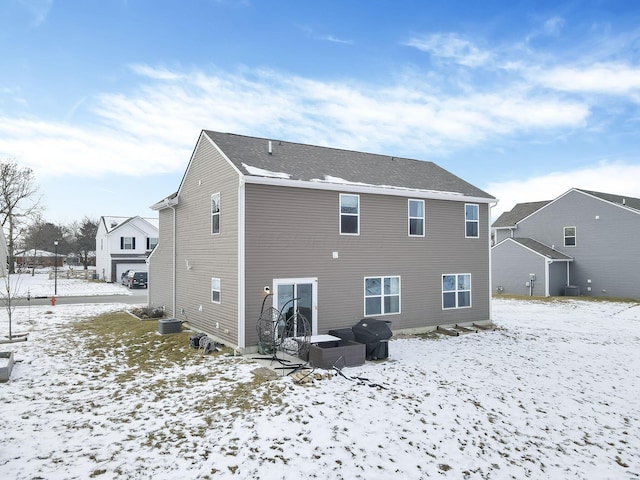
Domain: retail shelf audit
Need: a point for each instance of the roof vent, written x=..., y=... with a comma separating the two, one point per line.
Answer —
x=270, y=148
x=624, y=201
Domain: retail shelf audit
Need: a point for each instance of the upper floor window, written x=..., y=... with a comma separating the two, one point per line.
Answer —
x=416, y=218
x=215, y=213
x=456, y=290
x=215, y=290
x=349, y=214
x=127, y=243
x=381, y=295
x=151, y=243
x=471, y=220
x=569, y=236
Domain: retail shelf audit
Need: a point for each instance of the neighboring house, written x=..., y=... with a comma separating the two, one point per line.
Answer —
x=581, y=243
x=37, y=258
x=348, y=234
x=124, y=243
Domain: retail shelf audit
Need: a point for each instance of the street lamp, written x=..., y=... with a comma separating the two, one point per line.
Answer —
x=55, y=270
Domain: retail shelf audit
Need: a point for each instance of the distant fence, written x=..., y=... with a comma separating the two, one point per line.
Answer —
x=69, y=273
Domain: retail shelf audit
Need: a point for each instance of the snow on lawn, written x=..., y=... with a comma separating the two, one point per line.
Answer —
x=552, y=393
x=42, y=285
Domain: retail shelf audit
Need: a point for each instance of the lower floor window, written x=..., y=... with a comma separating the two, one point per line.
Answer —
x=456, y=290
x=381, y=295
x=215, y=290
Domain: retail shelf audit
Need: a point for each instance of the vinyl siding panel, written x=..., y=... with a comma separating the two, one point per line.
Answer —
x=161, y=265
x=557, y=278
x=292, y=232
x=513, y=280
x=606, y=251
x=200, y=256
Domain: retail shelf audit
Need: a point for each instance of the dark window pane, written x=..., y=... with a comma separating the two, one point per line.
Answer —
x=449, y=300
x=372, y=306
x=415, y=227
x=348, y=224
x=472, y=229
x=464, y=299
x=392, y=304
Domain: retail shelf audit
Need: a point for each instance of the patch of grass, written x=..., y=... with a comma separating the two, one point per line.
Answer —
x=127, y=350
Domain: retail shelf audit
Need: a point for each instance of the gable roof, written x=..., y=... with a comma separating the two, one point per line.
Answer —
x=630, y=202
x=519, y=212
x=280, y=160
x=539, y=248
x=112, y=223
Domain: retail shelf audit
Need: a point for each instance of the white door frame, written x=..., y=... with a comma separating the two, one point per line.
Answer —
x=314, y=291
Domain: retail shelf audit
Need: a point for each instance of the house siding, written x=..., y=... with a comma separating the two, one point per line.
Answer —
x=606, y=252
x=201, y=256
x=161, y=266
x=514, y=281
x=557, y=278
x=382, y=248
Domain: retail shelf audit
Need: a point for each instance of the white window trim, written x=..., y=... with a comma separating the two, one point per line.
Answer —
x=357, y=215
x=382, y=296
x=456, y=291
x=130, y=244
x=215, y=214
x=219, y=290
x=476, y=221
x=409, y=218
x=575, y=236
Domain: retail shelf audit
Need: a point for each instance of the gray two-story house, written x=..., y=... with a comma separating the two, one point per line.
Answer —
x=348, y=234
x=581, y=243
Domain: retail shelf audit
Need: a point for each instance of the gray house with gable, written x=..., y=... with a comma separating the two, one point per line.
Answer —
x=581, y=243
x=348, y=234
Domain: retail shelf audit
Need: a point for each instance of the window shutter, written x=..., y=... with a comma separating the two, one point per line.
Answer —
x=133, y=243
x=121, y=243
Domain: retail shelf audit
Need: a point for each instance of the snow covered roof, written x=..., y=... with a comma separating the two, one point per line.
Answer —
x=113, y=222
x=276, y=159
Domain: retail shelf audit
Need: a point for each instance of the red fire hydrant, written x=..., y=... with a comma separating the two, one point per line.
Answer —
x=53, y=301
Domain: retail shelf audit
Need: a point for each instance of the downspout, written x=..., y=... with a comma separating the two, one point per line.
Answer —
x=490, y=262
x=241, y=264
x=546, y=277
x=173, y=287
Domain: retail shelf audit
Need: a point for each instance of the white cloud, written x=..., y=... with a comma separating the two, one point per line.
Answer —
x=155, y=126
x=606, y=177
x=451, y=46
x=605, y=78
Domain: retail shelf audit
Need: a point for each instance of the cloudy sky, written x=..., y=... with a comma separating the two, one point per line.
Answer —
x=105, y=100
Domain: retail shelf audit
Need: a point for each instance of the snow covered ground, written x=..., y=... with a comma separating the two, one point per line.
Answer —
x=553, y=393
x=40, y=285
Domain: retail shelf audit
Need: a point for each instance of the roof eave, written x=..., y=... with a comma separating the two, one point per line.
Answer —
x=364, y=188
x=170, y=201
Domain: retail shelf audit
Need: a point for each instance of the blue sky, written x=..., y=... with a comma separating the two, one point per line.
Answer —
x=105, y=100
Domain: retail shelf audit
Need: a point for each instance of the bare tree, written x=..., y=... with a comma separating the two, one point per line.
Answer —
x=41, y=235
x=18, y=202
x=84, y=238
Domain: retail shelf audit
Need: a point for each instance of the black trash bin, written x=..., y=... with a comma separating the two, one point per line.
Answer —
x=375, y=334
